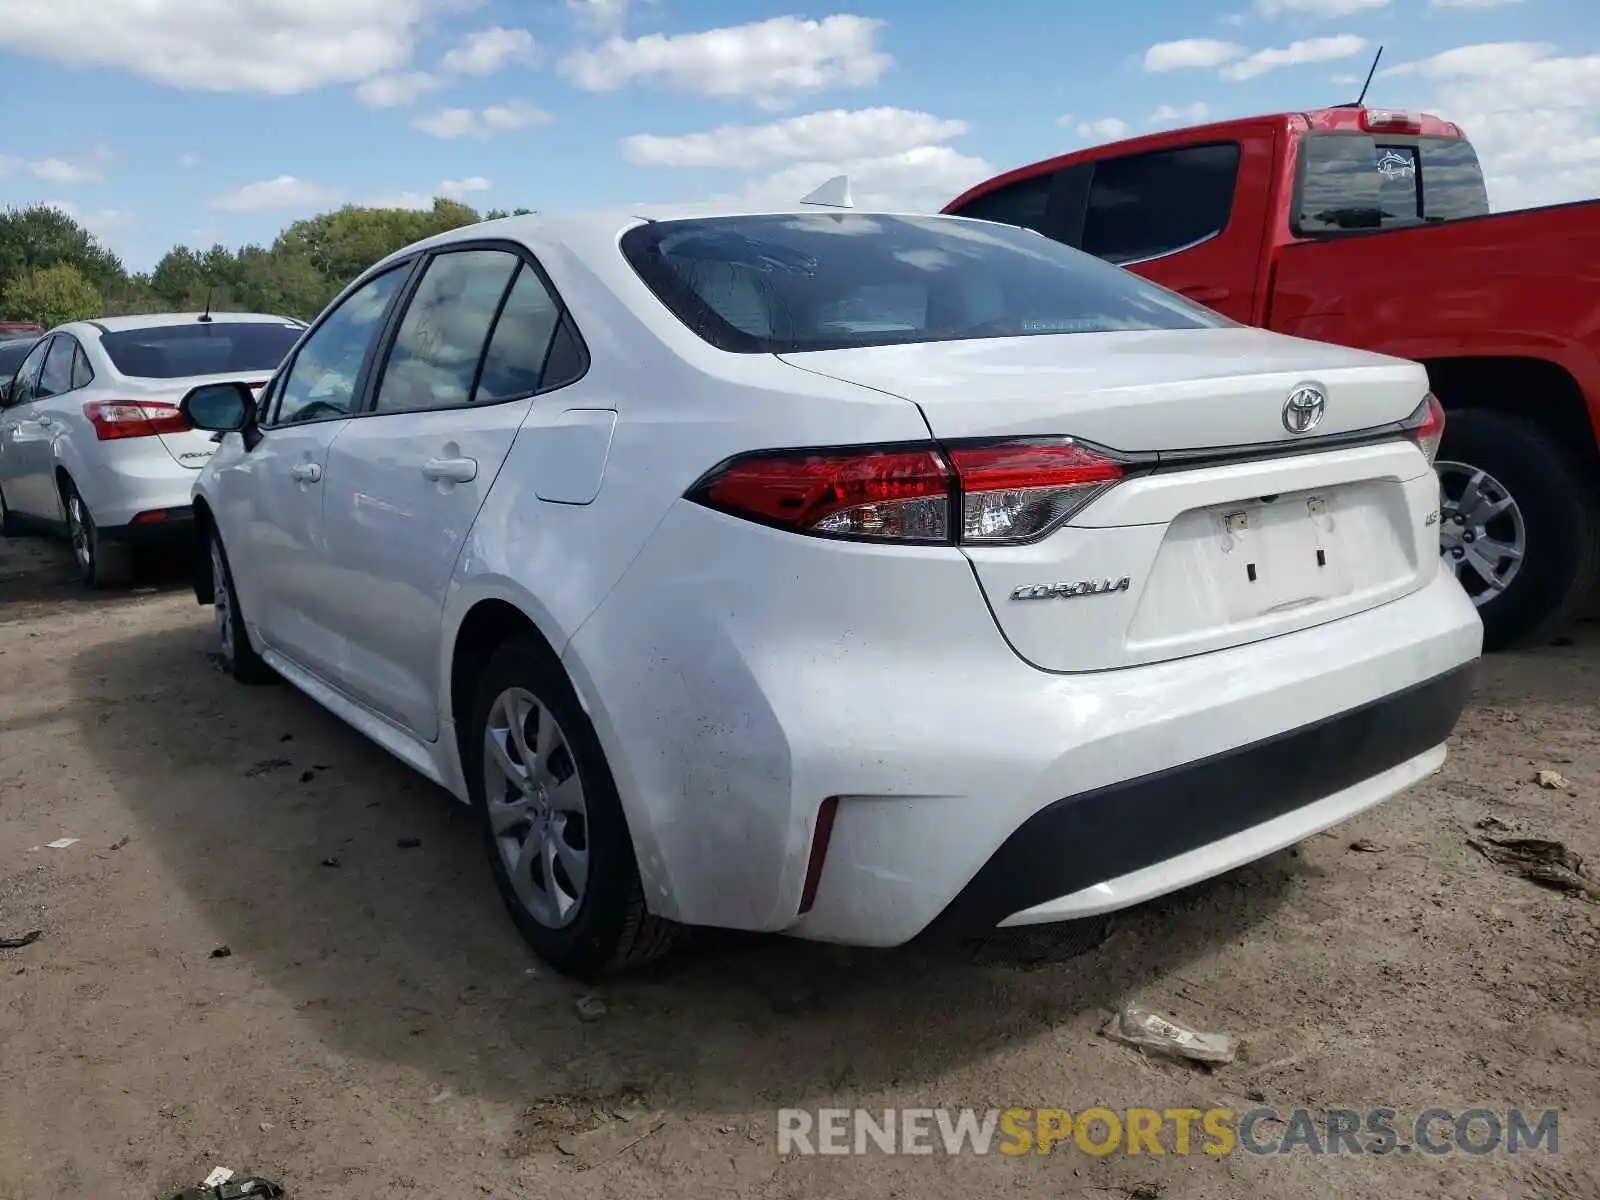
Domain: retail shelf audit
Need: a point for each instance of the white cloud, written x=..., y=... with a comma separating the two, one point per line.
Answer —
x=864, y=133
x=1189, y=54
x=923, y=179
x=1311, y=50
x=1533, y=114
x=1105, y=129
x=52, y=170
x=278, y=47
x=488, y=51
x=1319, y=8
x=450, y=189
x=605, y=17
x=482, y=122
x=284, y=192
x=394, y=91
x=100, y=222
x=1189, y=114
x=768, y=61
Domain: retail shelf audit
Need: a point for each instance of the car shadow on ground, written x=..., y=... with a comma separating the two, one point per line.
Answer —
x=38, y=575
x=359, y=892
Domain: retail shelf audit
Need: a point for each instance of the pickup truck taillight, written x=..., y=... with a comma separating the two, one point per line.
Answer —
x=117, y=419
x=993, y=493
x=1425, y=426
x=1388, y=120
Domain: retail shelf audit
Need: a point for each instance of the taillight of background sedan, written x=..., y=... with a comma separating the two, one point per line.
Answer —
x=839, y=574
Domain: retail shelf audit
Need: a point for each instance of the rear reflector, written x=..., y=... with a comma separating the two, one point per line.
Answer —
x=117, y=419
x=820, y=837
x=993, y=492
x=1425, y=426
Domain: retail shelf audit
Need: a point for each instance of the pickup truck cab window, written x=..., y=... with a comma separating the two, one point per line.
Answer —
x=1024, y=203
x=1146, y=205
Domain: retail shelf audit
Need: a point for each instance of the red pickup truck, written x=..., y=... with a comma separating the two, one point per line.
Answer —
x=1371, y=228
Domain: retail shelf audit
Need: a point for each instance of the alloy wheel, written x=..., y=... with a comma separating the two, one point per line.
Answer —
x=221, y=600
x=535, y=801
x=1482, y=535
x=78, y=530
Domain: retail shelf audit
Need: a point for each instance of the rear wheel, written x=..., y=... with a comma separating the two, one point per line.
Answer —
x=238, y=656
x=552, y=822
x=1518, y=525
x=101, y=564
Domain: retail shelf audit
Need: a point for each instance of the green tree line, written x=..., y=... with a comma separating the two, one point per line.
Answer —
x=53, y=270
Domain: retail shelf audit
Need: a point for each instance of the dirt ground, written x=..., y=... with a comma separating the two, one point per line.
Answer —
x=377, y=1028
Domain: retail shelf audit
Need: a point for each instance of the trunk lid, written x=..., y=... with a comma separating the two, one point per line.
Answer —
x=1183, y=558
x=192, y=448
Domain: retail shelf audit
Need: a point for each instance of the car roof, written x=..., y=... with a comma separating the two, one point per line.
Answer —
x=163, y=320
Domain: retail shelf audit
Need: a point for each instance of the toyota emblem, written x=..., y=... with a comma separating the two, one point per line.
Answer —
x=1302, y=411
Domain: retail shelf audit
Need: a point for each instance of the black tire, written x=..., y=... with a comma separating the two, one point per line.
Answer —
x=612, y=930
x=101, y=564
x=1561, y=524
x=236, y=655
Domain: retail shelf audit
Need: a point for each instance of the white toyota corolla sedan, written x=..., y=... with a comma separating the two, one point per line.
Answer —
x=843, y=574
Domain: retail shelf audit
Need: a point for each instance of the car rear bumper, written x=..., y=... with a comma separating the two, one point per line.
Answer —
x=738, y=680
x=1171, y=828
x=153, y=527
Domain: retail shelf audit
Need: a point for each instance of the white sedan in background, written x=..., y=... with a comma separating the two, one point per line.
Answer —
x=91, y=441
x=840, y=574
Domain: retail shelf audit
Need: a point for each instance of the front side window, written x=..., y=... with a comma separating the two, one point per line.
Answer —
x=28, y=374
x=1357, y=182
x=1147, y=205
x=327, y=369
x=56, y=376
x=780, y=284
x=436, y=353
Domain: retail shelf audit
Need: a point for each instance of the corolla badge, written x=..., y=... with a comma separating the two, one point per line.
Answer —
x=1065, y=591
x=1302, y=411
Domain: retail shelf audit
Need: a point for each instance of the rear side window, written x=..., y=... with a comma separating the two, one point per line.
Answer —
x=203, y=348
x=1147, y=205
x=812, y=281
x=57, y=374
x=1357, y=182
x=1022, y=203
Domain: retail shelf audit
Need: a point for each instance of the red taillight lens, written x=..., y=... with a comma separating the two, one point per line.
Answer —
x=1425, y=426
x=1019, y=491
x=1015, y=491
x=884, y=493
x=116, y=419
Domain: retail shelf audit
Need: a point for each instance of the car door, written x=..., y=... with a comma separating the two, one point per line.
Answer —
x=1177, y=217
x=25, y=466
x=405, y=481
x=270, y=498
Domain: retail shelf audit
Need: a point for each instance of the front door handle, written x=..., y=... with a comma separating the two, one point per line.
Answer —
x=306, y=472
x=1205, y=294
x=451, y=470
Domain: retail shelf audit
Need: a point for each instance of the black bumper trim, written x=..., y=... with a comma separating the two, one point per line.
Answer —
x=178, y=526
x=1101, y=834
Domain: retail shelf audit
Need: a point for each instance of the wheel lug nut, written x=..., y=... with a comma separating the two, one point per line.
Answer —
x=1458, y=552
x=1469, y=536
x=1459, y=519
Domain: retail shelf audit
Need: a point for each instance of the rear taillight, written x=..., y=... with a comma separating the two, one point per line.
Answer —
x=990, y=493
x=1425, y=426
x=116, y=419
x=1389, y=120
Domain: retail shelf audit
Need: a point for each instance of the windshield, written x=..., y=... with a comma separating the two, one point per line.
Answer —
x=204, y=348
x=780, y=284
x=1356, y=181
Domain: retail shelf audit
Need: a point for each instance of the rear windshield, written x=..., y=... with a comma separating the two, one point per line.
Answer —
x=204, y=348
x=1355, y=181
x=815, y=281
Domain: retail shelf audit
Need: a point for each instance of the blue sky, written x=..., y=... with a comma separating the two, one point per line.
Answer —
x=197, y=121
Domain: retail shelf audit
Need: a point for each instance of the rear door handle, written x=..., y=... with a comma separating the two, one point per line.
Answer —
x=305, y=472
x=1205, y=294
x=451, y=470
x=45, y=419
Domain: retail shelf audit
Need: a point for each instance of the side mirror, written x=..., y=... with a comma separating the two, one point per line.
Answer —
x=219, y=407
x=5, y=392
